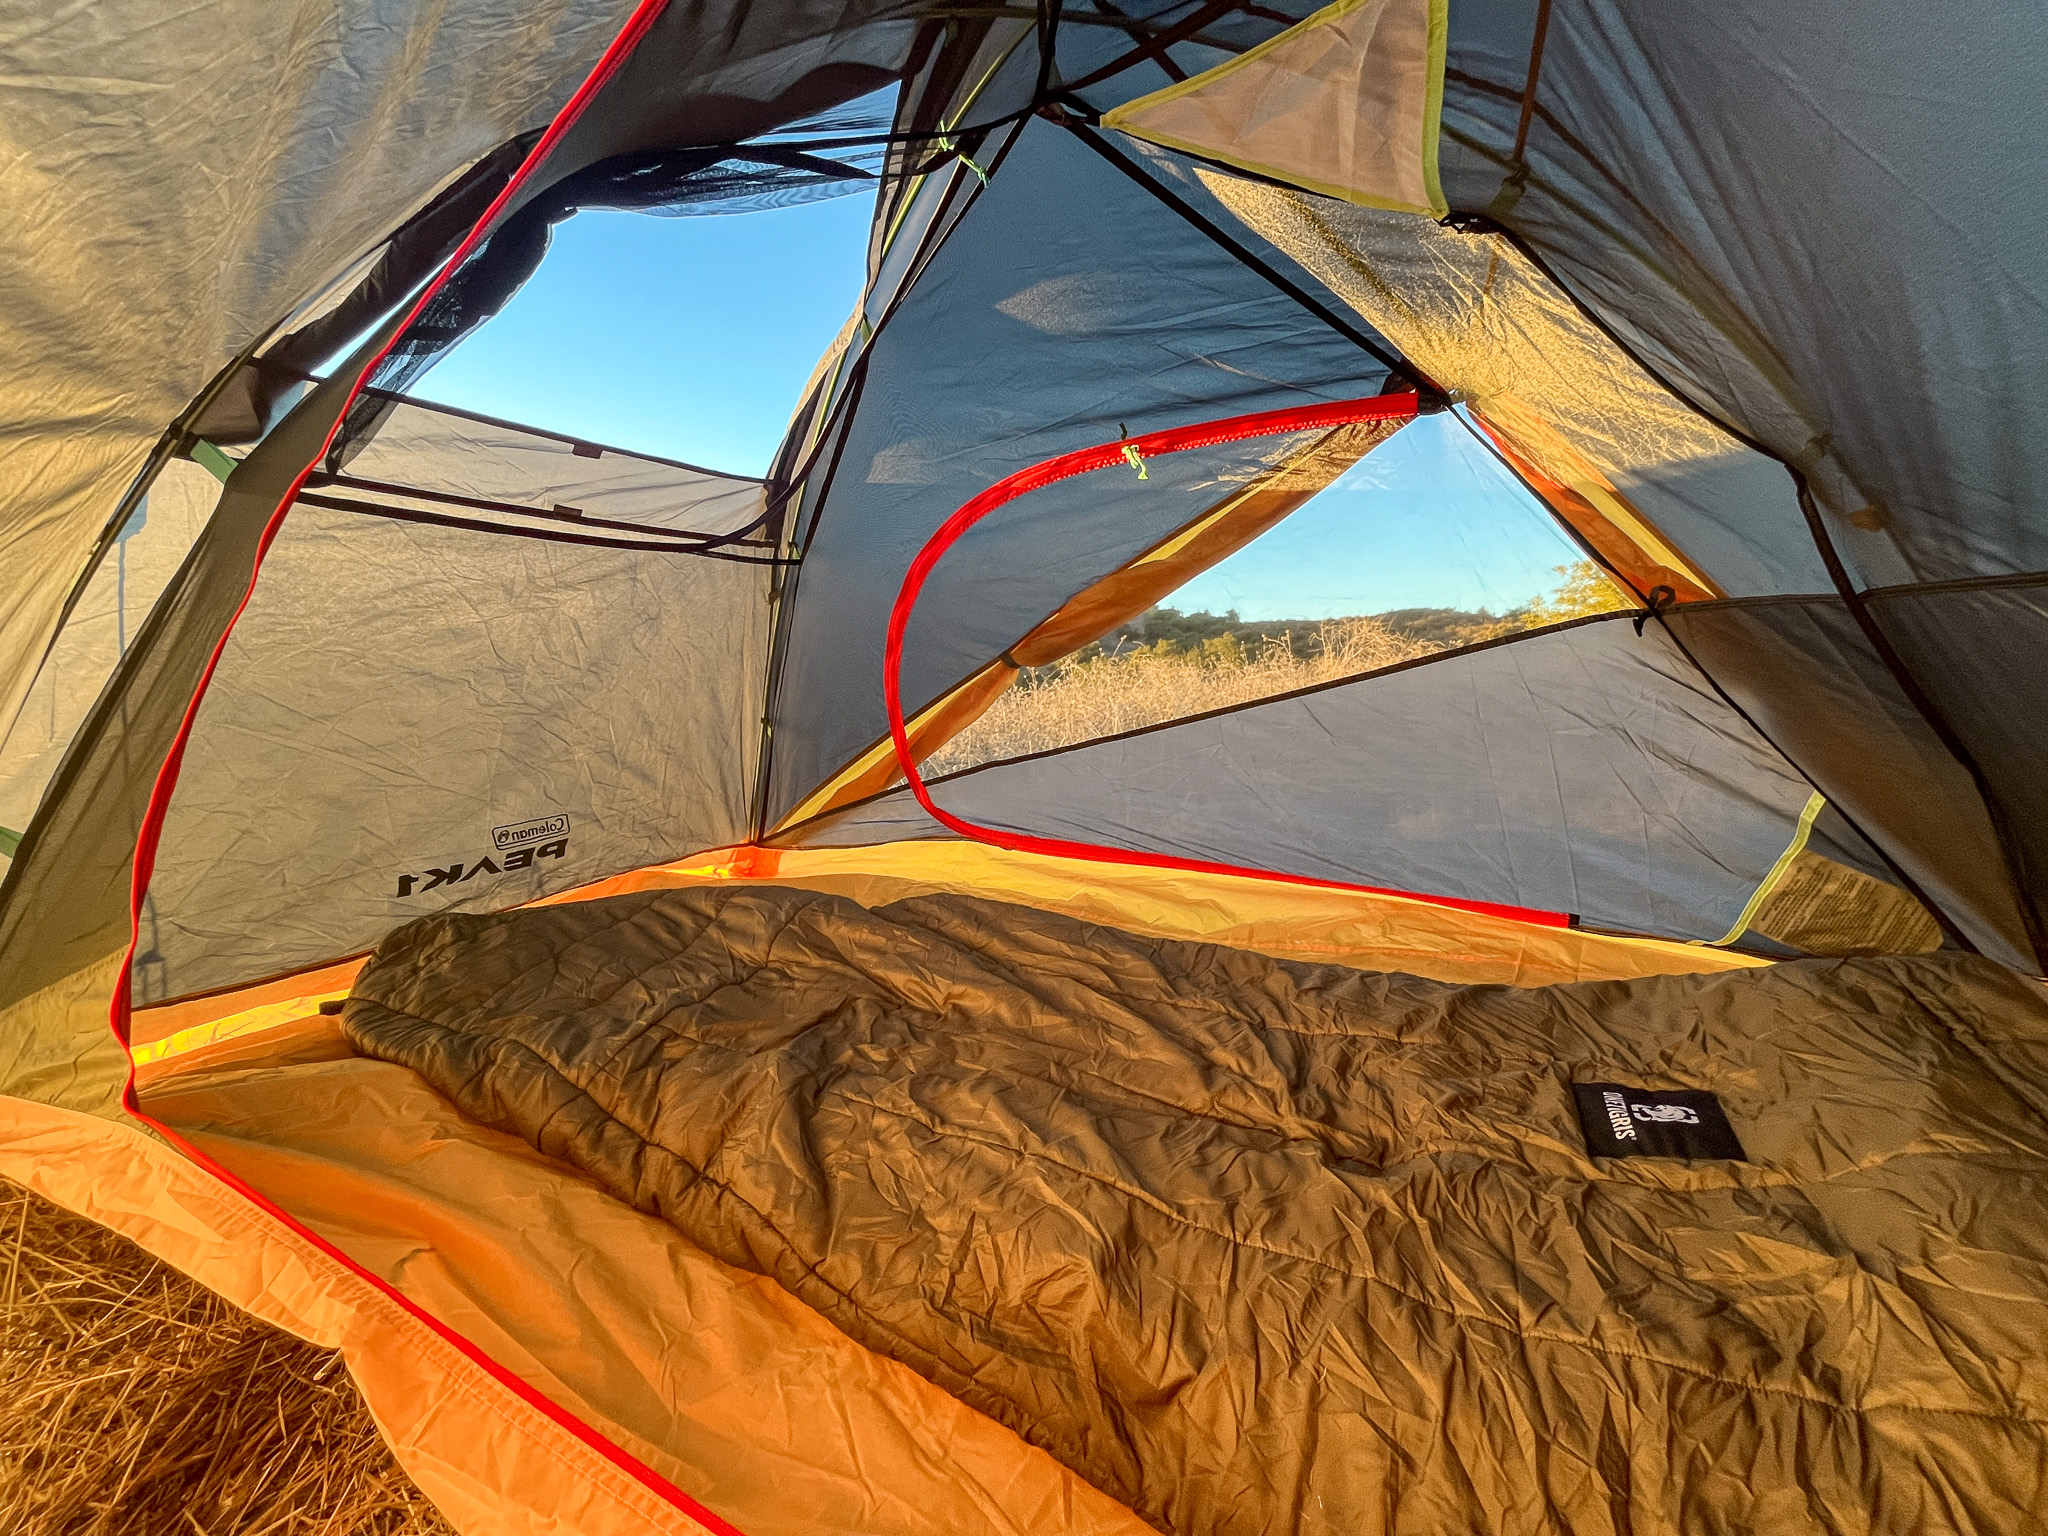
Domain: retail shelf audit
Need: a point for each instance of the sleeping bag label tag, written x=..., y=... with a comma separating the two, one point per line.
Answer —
x=1649, y=1122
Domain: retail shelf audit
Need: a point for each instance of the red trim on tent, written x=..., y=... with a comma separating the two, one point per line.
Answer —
x=1085, y=461
x=630, y=36
x=641, y=1473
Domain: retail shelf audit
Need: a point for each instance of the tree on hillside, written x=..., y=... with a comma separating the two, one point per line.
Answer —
x=1582, y=589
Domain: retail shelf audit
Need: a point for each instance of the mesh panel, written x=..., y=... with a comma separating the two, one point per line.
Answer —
x=1584, y=769
x=1329, y=565
x=666, y=182
x=827, y=155
x=1060, y=309
x=1111, y=52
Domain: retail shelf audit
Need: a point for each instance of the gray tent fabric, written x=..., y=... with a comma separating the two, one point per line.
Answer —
x=1997, y=702
x=1812, y=684
x=516, y=711
x=1108, y=55
x=1781, y=209
x=1585, y=769
x=65, y=904
x=180, y=179
x=105, y=622
x=452, y=457
x=337, y=785
x=1060, y=312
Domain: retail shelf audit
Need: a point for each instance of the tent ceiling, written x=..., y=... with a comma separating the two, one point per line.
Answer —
x=172, y=199
x=1036, y=289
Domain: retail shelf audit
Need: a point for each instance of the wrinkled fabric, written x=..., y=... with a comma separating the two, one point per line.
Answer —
x=180, y=178
x=1345, y=102
x=1259, y=1246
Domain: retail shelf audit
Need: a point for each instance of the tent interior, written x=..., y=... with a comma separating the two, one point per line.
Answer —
x=990, y=977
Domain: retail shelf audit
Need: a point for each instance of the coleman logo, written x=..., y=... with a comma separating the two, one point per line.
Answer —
x=1617, y=1115
x=521, y=833
x=1664, y=1114
x=462, y=874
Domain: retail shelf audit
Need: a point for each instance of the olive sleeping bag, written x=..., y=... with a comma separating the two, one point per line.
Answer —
x=1259, y=1246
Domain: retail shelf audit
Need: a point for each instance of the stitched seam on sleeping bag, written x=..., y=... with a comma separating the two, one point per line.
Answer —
x=1425, y=1303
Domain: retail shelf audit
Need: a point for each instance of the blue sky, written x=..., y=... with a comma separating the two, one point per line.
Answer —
x=685, y=337
x=693, y=337
x=1429, y=519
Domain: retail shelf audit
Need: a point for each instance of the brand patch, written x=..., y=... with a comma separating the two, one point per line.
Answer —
x=463, y=871
x=1648, y=1122
x=539, y=830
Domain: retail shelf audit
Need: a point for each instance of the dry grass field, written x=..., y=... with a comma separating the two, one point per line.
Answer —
x=1099, y=693
x=1081, y=700
x=134, y=1402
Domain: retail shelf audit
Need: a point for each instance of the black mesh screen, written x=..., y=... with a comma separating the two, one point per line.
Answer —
x=828, y=155
x=670, y=183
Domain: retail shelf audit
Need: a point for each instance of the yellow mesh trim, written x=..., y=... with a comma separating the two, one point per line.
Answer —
x=1814, y=804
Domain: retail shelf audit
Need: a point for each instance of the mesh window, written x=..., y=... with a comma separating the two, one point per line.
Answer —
x=829, y=155
x=1303, y=558
x=1424, y=544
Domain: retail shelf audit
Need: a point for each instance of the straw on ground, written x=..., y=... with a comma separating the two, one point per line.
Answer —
x=134, y=1402
x=1099, y=692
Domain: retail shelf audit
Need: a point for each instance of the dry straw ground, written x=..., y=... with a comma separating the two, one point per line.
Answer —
x=1097, y=694
x=1079, y=701
x=134, y=1402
